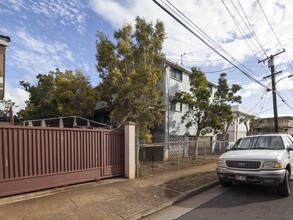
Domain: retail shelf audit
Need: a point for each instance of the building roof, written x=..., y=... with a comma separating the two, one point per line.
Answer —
x=285, y=117
x=242, y=110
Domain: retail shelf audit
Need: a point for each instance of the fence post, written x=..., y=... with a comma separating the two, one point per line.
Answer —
x=178, y=155
x=186, y=146
x=129, y=150
x=196, y=149
x=205, y=151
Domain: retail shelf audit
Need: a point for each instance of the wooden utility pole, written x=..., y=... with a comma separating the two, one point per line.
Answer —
x=273, y=78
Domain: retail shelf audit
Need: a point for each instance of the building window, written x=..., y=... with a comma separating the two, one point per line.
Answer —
x=175, y=106
x=176, y=74
x=191, y=107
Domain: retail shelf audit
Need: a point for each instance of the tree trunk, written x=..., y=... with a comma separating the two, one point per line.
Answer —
x=246, y=126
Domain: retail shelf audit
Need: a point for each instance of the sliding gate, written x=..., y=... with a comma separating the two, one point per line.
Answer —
x=34, y=158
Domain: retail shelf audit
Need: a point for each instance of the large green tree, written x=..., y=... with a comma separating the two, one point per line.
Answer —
x=221, y=105
x=207, y=112
x=200, y=111
x=131, y=67
x=59, y=94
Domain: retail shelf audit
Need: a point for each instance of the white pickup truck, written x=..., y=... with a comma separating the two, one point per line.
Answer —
x=263, y=159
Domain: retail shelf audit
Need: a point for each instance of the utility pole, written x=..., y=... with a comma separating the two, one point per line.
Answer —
x=273, y=74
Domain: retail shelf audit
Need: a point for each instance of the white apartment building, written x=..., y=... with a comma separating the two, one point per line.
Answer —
x=238, y=129
x=176, y=79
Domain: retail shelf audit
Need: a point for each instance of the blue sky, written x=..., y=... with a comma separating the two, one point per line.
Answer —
x=50, y=34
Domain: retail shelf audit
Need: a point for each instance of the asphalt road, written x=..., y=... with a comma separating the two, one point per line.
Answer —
x=235, y=203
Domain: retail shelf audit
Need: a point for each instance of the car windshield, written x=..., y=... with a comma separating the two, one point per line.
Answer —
x=259, y=142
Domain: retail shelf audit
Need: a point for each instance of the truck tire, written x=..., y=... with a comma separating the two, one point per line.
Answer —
x=284, y=188
x=225, y=183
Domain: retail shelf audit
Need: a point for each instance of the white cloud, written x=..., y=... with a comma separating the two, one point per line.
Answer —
x=16, y=5
x=37, y=55
x=251, y=89
x=17, y=95
x=65, y=12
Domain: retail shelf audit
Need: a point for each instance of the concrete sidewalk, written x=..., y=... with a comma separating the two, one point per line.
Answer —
x=116, y=198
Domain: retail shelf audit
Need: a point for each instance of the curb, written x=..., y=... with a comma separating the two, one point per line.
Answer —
x=179, y=198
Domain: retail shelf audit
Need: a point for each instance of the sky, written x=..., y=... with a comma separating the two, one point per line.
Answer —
x=50, y=34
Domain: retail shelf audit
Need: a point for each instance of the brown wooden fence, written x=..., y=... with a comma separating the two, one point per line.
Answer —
x=33, y=158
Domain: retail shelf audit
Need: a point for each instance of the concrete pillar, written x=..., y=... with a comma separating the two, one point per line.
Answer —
x=74, y=122
x=30, y=123
x=43, y=123
x=129, y=150
x=61, y=125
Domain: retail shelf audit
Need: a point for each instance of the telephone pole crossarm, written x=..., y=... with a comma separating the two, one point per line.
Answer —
x=272, y=56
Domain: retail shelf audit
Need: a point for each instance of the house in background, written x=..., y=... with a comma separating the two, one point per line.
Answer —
x=241, y=123
x=266, y=125
x=4, y=40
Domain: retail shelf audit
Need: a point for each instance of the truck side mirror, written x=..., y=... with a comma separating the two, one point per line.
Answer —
x=290, y=148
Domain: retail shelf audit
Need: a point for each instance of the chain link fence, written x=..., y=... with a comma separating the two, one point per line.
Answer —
x=178, y=154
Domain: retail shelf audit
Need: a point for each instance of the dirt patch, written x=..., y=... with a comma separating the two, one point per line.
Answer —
x=152, y=168
x=186, y=183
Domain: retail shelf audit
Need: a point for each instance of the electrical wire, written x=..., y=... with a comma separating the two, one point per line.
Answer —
x=257, y=102
x=240, y=29
x=262, y=106
x=199, y=61
x=252, y=32
x=283, y=99
x=217, y=71
x=269, y=109
x=274, y=33
x=208, y=38
x=249, y=26
x=279, y=42
x=201, y=38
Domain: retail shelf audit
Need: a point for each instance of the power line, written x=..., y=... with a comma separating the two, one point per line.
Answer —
x=252, y=32
x=269, y=109
x=207, y=38
x=240, y=29
x=205, y=35
x=290, y=90
x=257, y=102
x=249, y=26
x=269, y=23
x=274, y=33
x=199, y=61
x=217, y=71
x=284, y=100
